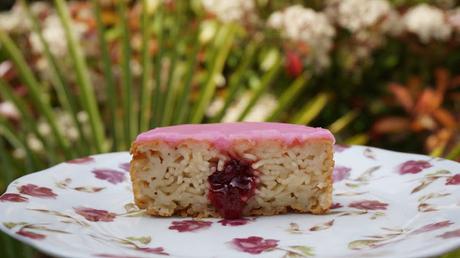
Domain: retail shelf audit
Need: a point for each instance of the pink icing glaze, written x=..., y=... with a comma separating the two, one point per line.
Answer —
x=222, y=134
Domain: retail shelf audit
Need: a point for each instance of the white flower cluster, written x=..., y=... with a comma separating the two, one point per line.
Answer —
x=427, y=22
x=454, y=19
x=358, y=15
x=54, y=35
x=368, y=21
x=301, y=24
x=15, y=20
x=231, y=10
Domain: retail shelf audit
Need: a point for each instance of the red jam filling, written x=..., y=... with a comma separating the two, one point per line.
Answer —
x=231, y=188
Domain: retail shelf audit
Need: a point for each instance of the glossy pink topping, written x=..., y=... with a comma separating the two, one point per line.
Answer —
x=223, y=134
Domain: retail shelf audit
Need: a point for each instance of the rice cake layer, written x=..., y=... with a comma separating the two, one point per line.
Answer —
x=233, y=170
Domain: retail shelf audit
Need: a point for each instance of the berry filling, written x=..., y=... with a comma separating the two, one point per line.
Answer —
x=231, y=188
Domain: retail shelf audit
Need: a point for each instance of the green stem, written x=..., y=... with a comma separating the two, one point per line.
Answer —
x=33, y=87
x=18, y=142
x=128, y=105
x=83, y=77
x=210, y=86
x=62, y=89
x=266, y=80
x=182, y=105
x=31, y=125
x=111, y=88
x=289, y=96
x=7, y=164
x=343, y=122
x=146, y=89
x=235, y=80
x=358, y=139
x=158, y=94
x=170, y=93
x=454, y=154
x=311, y=109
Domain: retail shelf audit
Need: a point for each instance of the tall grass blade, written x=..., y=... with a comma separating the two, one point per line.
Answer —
x=157, y=67
x=170, y=88
x=343, y=122
x=289, y=96
x=182, y=105
x=454, y=154
x=17, y=142
x=146, y=86
x=33, y=87
x=111, y=87
x=358, y=139
x=7, y=94
x=7, y=164
x=216, y=68
x=88, y=97
x=234, y=83
x=130, y=123
x=264, y=83
x=60, y=85
x=311, y=109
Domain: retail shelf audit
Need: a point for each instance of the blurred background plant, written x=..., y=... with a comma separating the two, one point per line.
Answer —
x=84, y=77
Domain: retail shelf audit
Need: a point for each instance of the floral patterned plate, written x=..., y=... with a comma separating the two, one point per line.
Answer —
x=386, y=204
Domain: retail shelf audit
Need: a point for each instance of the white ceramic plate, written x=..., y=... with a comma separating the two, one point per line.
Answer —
x=386, y=204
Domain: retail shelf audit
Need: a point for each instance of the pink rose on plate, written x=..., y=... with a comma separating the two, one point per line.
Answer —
x=413, y=166
x=114, y=256
x=368, y=205
x=340, y=173
x=433, y=226
x=37, y=191
x=12, y=197
x=189, y=225
x=156, y=250
x=125, y=166
x=83, y=160
x=340, y=147
x=234, y=222
x=110, y=175
x=450, y=234
x=336, y=205
x=453, y=180
x=254, y=244
x=30, y=234
x=95, y=215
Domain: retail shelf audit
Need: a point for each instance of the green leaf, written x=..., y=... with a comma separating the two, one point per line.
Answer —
x=110, y=85
x=158, y=93
x=30, y=124
x=363, y=244
x=235, y=80
x=143, y=240
x=169, y=96
x=307, y=251
x=207, y=92
x=343, y=122
x=34, y=89
x=289, y=96
x=11, y=225
x=261, y=88
x=182, y=105
x=88, y=97
x=311, y=110
x=62, y=88
x=130, y=123
x=454, y=154
x=146, y=85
